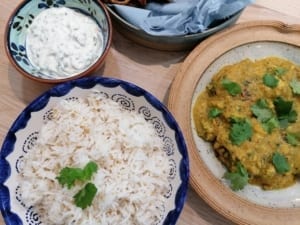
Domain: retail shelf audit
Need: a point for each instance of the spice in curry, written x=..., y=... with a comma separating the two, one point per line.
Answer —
x=249, y=112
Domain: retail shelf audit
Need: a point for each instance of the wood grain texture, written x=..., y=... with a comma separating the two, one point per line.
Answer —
x=151, y=69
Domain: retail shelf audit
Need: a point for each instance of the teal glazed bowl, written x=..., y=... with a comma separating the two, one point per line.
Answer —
x=168, y=43
x=24, y=15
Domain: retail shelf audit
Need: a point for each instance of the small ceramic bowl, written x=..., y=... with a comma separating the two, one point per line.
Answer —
x=23, y=16
x=168, y=43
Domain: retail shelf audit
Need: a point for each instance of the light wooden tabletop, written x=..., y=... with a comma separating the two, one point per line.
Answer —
x=150, y=69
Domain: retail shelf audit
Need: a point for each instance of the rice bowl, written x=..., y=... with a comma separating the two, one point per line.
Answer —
x=171, y=158
x=124, y=146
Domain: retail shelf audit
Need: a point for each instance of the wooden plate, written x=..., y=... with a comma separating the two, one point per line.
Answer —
x=247, y=40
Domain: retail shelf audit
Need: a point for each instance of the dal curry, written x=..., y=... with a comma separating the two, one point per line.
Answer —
x=249, y=112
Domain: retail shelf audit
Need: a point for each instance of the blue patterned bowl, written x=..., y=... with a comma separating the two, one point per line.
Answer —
x=23, y=134
x=24, y=14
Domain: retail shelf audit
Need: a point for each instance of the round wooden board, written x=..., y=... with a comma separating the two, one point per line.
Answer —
x=203, y=181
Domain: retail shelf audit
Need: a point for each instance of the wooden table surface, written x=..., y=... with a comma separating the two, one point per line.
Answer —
x=151, y=69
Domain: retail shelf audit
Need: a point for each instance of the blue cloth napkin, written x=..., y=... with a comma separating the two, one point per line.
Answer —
x=181, y=16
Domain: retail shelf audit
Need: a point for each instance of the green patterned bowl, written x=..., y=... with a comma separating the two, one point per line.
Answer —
x=21, y=19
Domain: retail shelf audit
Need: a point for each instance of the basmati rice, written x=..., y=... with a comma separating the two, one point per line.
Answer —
x=132, y=168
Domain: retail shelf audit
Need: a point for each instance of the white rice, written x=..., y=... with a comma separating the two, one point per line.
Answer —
x=132, y=168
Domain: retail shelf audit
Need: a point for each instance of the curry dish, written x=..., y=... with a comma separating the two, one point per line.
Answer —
x=249, y=112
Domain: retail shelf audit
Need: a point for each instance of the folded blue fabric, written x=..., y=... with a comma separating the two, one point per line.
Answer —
x=181, y=16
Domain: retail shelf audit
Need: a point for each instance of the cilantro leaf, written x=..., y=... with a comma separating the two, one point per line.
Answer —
x=88, y=171
x=292, y=117
x=284, y=112
x=270, y=80
x=214, y=112
x=282, y=107
x=239, y=178
x=261, y=110
x=271, y=124
x=292, y=139
x=85, y=196
x=295, y=85
x=240, y=131
x=279, y=71
x=265, y=115
x=68, y=175
x=232, y=88
x=280, y=163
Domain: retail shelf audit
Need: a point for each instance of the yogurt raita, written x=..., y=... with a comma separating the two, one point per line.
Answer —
x=62, y=42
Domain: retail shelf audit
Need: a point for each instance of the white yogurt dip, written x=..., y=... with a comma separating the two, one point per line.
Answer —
x=62, y=42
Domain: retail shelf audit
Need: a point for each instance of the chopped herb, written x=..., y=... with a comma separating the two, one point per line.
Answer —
x=295, y=85
x=270, y=80
x=68, y=175
x=85, y=196
x=214, y=112
x=261, y=110
x=292, y=117
x=271, y=124
x=88, y=170
x=265, y=115
x=292, y=139
x=279, y=71
x=280, y=163
x=232, y=88
x=240, y=131
x=238, y=178
x=284, y=112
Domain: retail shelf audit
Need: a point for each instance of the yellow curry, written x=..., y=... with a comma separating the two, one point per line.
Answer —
x=249, y=112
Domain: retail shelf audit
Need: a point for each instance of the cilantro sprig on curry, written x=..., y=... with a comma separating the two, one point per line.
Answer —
x=249, y=112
